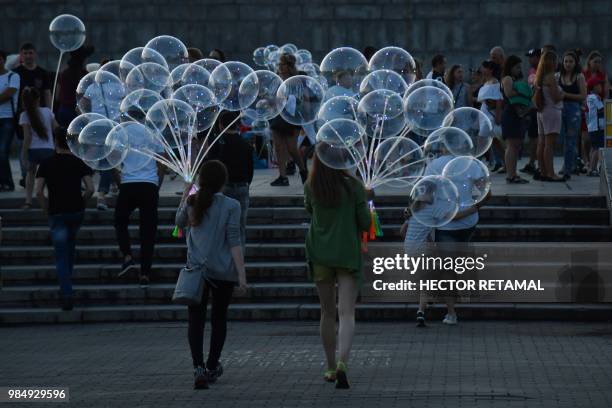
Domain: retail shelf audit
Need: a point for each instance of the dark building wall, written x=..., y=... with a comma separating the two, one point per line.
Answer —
x=463, y=30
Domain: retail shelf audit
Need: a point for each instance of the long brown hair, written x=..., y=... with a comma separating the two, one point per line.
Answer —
x=547, y=65
x=31, y=102
x=211, y=179
x=450, y=76
x=289, y=61
x=328, y=184
x=592, y=55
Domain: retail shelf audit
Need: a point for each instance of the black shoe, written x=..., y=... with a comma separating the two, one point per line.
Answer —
x=280, y=182
x=200, y=381
x=303, y=176
x=567, y=177
x=22, y=183
x=212, y=375
x=529, y=169
x=537, y=175
x=127, y=265
x=290, y=168
x=420, y=319
x=143, y=281
x=67, y=304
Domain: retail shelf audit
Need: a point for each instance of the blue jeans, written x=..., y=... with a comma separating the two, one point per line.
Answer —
x=571, y=120
x=7, y=131
x=64, y=228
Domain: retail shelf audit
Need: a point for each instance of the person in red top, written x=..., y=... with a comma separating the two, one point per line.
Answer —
x=594, y=69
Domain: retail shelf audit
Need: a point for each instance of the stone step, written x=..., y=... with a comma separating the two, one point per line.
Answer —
x=291, y=215
x=163, y=272
x=105, y=235
x=574, y=200
x=156, y=293
x=309, y=311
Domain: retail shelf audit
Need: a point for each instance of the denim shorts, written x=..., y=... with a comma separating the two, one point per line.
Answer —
x=37, y=156
x=597, y=139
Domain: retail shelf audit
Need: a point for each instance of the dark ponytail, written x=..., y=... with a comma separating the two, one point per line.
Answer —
x=211, y=179
x=31, y=103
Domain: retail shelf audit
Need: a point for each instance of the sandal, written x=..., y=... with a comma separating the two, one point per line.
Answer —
x=341, y=378
x=329, y=375
x=516, y=180
x=26, y=206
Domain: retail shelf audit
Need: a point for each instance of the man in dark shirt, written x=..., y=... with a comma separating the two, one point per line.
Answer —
x=237, y=155
x=31, y=75
x=438, y=66
x=63, y=175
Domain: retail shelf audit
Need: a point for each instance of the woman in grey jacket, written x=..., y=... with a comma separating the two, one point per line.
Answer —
x=213, y=240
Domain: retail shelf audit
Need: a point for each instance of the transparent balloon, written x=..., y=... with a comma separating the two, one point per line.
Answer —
x=383, y=79
x=260, y=126
x=259, y=57
x=311, y=69
x=273, y=59
x=67, y=32
x=208, y=64
x=338, y=107
x=176, y=76
x=395, y=59
x=477, y=126
x=137, y=103
x=117, y=142
x=114, y=67
x=268, y=49
x=303, y=57
x=100, y=92
x=170, y=48
x=434, y=201
x=288, y=49
x=426, y=108
x=76, y=126
x=381, y=113
x=401, y=162
x=202, y=101
x=263, y=85
x=344, y=68
x=471, y=177
x=133, y=58
x=340, y=144
x=195, y=74
x=454, y=140
x=143, y=146
x=428, y=82
x=92, y=140
x=302, y=97
x=172, y=122
x=148, y=75
x=225, y=83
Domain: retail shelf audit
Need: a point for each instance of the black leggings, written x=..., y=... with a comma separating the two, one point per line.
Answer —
x=221, y=296
x=145, y=197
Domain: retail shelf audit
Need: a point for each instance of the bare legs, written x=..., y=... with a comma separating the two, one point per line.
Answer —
x=347, y=296
x=513, y=147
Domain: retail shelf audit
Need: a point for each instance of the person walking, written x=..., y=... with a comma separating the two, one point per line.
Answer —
x=212, y=221
x=548, y=97
x=338, y=205
x=139, y=189
x=461, y=91
x=491, y=98
x=572, y=82
x=533, y=56
x=9, y=91
x=63, y=175
x=285, y=134
x=517, y=98
x=237, y=156
x=37, y=124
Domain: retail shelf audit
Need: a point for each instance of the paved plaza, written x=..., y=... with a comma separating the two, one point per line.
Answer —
x=279, y=364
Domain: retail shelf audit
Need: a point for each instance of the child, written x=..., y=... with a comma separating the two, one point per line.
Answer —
x=38, y=124
x=595, y=122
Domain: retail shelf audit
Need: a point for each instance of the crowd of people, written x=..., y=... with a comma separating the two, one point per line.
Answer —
x=558, y=101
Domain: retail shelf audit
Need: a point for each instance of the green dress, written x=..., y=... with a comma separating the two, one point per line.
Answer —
x=334, y=236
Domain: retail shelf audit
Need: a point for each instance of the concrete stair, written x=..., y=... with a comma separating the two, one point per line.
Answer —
x=280, y=288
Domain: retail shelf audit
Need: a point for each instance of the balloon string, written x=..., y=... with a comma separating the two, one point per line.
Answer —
x=59, y=64
x=386, y=172
x=349, y=150
x=389, y=166
x=204, y=142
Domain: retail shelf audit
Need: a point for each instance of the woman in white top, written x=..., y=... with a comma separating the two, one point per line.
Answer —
x=491, y=99
x=38, y=124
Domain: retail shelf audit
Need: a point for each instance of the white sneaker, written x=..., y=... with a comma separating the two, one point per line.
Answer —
x=450, y=320
x=102, y=206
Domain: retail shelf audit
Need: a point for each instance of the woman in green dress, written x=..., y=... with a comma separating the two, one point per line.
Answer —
x=338, y=205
